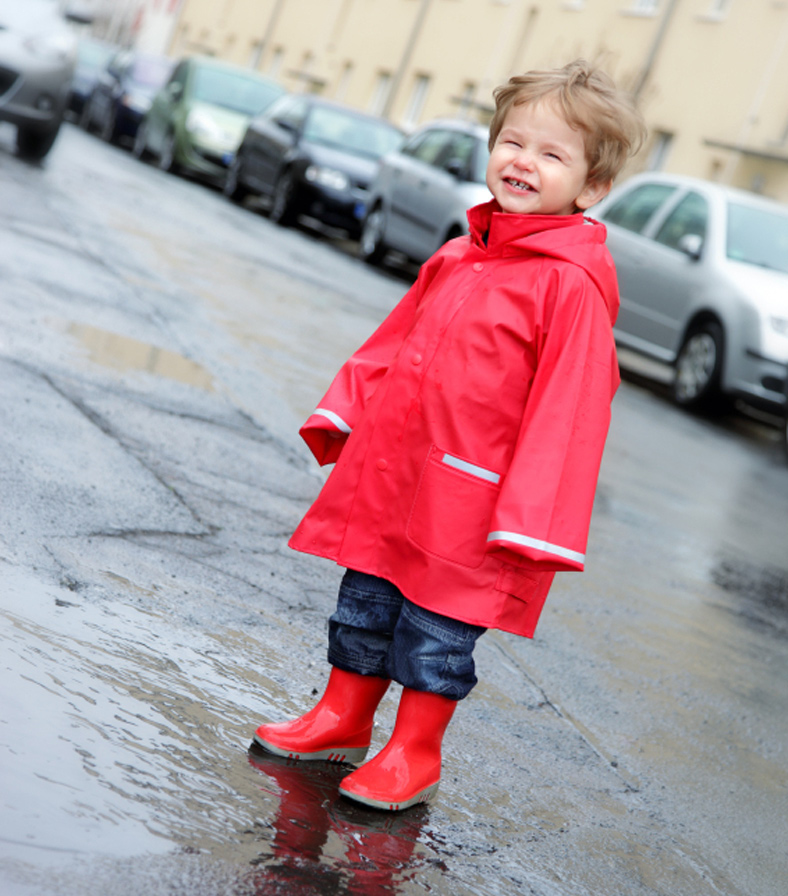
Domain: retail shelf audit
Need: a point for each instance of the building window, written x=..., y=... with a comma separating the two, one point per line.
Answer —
x=344, y=82
x=660, y=150
x=255, y=54
x=717, y=9
x=276, y=62
x=412, y=115
x=466, y=101
x=380, y=94
x=644, y=7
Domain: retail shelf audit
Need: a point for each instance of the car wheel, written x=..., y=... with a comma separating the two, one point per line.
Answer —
x=371, y=247
x=109, y=127
x=282, y=205
x=86, y=116
x=698, y=368
x=167, y=157
x=139, y=148
x=34, y=145
x=233, y=188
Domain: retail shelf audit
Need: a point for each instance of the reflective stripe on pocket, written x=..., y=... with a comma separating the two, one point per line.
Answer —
x=472, y=469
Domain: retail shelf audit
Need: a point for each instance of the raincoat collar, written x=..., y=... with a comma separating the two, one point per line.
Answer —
x=571, y=238
x=491, y=227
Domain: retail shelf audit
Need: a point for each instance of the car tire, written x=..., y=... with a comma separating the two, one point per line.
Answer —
x=167, y=158
x=33, y=145
x=109, y=127
x=233, y=187
x=698, y=368
x=139, y=148
x=86, y=116
x=371, y=247
x=283, y=211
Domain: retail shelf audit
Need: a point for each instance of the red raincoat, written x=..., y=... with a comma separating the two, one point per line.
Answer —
x=468, y=430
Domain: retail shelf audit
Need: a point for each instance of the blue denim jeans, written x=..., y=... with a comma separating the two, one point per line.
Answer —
x=376, y=630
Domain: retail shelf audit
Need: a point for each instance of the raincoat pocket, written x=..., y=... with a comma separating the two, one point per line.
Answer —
x=451, y=512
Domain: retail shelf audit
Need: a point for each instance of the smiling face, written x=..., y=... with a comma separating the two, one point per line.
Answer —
x=538, y=163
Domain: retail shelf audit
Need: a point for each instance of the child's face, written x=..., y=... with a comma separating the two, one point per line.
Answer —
x=538, y=163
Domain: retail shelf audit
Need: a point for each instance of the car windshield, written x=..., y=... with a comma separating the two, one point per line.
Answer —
x=235, y=91
x=92, y=56
x=366, y=137
x=758, y=236
x=478, y=172
x=150, y=71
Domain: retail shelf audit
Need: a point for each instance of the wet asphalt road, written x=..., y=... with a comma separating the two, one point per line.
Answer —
x=158, y=349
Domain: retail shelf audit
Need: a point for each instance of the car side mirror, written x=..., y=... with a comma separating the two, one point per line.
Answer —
x=456, y=167
x=286, y=125
x=691, y=244
x=176, y=91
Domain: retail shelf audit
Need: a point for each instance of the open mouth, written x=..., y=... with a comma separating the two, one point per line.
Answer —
x=519, y=185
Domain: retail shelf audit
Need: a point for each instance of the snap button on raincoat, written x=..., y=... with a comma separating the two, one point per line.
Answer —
x=468, y=430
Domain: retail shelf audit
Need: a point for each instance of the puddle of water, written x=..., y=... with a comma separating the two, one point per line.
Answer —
x=126, y=737
x=122, y=353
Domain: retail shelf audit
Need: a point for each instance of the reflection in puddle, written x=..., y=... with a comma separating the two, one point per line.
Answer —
x=122, y=353
x=321, y=844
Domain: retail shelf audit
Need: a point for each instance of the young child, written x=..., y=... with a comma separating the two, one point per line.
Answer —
x=467, y=434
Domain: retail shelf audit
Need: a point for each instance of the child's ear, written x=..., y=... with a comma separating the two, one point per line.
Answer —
x=593, y=192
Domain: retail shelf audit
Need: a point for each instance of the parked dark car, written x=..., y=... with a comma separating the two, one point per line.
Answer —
x=311, y=156
x=37, y=56
x=123, y=93
x=422, y=191
x=197, y=120
x=703, y=276
x=92, y=58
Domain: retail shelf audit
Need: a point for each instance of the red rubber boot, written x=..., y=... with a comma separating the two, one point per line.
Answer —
x=338, y=729
x=407, y=770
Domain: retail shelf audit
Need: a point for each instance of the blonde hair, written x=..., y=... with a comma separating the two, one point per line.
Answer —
x=590, y=101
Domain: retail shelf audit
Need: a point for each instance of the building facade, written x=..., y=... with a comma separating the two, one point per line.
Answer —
x=711, y=76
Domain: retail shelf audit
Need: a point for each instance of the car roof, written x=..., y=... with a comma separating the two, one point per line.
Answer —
x=316, y=100
x=723, y=191
x=461, y=125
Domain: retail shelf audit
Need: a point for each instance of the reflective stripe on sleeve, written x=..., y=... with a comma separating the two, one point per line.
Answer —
x=334, y=418
x=479, y=472
x=539, y=545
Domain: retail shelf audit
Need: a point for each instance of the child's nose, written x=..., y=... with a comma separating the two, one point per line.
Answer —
x=524, y=159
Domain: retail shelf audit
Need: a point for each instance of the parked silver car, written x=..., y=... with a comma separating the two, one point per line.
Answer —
x=37, y=56
x=703, y=275
x=422, y=191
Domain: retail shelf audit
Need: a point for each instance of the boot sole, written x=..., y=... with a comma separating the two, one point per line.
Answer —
x=423, y=796
x=334, y=754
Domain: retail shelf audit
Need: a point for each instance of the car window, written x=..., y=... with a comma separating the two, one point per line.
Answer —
x=150, y=71
x=690, y=216
x=480, y=159
x=289, y=110
x=757, y=236
x=233, y=90
x=336, y=127
x=429, y=147
x=634, y=210
x=456, y=155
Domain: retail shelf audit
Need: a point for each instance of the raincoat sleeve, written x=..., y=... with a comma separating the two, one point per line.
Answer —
x=328, y=428
x=543, y=512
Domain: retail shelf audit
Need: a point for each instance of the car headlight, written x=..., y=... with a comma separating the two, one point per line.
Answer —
x=779, y=324
x=58, y=46
x=203, y=127
x=136, y=102
x=327, y=177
